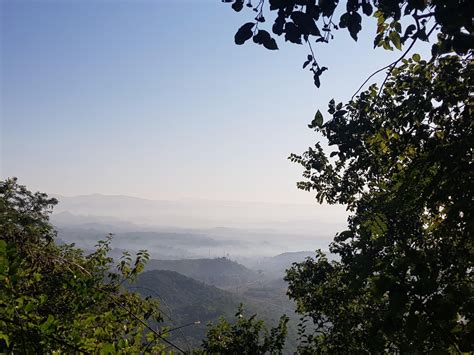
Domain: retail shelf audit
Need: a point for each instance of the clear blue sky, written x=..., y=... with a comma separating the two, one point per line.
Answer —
x=153, y=99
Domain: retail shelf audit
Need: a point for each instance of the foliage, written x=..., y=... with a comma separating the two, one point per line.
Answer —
x=404, y=166
x=398, y=22
x=55, y=298
x=245, y=336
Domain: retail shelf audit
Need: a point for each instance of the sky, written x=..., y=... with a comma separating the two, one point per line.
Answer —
x=153, y=99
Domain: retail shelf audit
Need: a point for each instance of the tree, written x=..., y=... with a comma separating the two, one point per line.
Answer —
x=312, y=22
x=57, y=299
x=245, y=336
x=403, y=164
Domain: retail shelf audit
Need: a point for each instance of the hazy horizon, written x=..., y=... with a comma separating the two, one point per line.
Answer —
x=195, y=213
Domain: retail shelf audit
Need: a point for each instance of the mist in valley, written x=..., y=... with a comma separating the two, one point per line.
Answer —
x=197, y=228
x=206, y=257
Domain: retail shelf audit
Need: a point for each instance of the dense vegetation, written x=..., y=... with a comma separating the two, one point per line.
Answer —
x=245, y=336
x=185, y=301
x=55, y=298
x=404, y=281
x=402, y=161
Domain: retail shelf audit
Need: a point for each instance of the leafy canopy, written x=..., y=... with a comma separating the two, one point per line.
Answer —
x=245, y=336
x=314, y=21
x=403, y=164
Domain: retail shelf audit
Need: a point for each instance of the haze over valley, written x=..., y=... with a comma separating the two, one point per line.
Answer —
x=207, y=256
x=197, y=228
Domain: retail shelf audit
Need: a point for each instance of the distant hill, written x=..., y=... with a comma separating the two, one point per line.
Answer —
x=186, y=300
x=220, y=272
x=286, y=259
x=274, y=267
x=166, y=243
x=306, y=219
x=161, y=244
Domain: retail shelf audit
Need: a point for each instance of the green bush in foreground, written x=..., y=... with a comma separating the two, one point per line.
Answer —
x=245, y=336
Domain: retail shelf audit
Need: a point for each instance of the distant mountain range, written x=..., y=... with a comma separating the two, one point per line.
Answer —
x=190, y=288
x=271, y=217
x=85, y=229
x=162, y=244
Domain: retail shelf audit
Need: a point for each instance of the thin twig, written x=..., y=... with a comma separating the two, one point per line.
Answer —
x=372, y=75
x=181, y=326
x=391, y=65
x=146, y=325
x=156, y=293
x=312, y=54
x=398, y=60
x=429, y=14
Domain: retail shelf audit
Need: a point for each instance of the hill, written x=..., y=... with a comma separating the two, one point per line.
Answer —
x=274, y=267
x=185, y=300
x=221, y=272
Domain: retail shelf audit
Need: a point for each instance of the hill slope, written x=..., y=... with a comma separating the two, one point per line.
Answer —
x=184, y=300
x=221, y=272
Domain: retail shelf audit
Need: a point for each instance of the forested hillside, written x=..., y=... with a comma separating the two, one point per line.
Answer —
x=220, y=272
x=184, y=300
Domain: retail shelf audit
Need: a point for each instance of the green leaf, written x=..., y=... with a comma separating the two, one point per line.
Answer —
x=6, y=338
x=238, y=5
x=3, y=246
x=107, y=349
x=270, y=44
x=395, y=38
x=48, y=326
x=367, y=8
x=29, y=307
x=317, y=122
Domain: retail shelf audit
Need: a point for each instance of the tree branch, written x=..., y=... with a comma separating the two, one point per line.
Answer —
x=391, y=65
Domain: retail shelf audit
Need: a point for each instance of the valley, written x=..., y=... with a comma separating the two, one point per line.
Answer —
x=200, y=272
